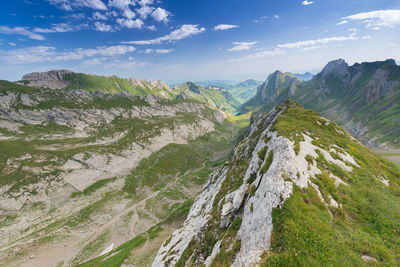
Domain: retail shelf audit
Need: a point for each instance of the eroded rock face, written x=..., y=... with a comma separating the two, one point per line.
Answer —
x=84, y=121
x=271, y=170
x=51, y=79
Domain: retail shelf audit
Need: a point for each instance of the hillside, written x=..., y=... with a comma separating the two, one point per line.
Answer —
x=65, y=79
x=214, y=96
x=274, y=90
x=84, y=171
x=363, y=98
x=243, y=91
x=298, y=191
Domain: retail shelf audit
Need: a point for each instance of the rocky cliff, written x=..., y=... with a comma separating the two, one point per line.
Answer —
x=363, y=98
x=294, y=175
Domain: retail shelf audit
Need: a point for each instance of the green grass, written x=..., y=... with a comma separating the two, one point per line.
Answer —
x=306, y=234
x=93, y=188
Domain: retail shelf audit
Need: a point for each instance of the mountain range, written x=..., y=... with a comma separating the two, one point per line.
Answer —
x=110, y=171
x=363, y=98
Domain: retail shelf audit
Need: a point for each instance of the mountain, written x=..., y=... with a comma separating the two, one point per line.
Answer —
x=298, y=191
x=83, y=171
x=363, y=98
x=214, y=96
x=274, y=90
x=65, y=79
x=243, y=91
x=305, y=76
x=218, y=83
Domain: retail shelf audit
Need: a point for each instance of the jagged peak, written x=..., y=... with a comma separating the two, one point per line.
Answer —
x=337, y=66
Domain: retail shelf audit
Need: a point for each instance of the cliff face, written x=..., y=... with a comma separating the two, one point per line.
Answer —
x=274, y=90
x=363, y=98
x=51, y=79
x=285, y=155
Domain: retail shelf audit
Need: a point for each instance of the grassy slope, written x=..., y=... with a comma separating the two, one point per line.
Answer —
x=218, y=98
x=244, y=91
x=381, y=116
x=367, y=223
x=112, y=84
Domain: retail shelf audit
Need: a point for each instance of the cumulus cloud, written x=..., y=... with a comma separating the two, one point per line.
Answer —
x=130, y=23
x=50, y=54
x=322, y=41
x=102, y=27
x=69, y=5
x=222, y=27
x=376, y=19
x=121, y=4
x=242, y=46
x=158, y=51
x=160, y=15
x=99, y=16
x=128, y=13
x=183, y=32
x=306, y=2
x=145, y=11
x=21, y=31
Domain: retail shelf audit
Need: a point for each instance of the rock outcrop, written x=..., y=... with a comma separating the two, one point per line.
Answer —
x=259, y=178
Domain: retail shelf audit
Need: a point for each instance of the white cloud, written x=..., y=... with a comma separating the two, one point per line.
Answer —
x=321, y=41
x=276, y=16
x=131, y=24
x=342, y=22
x=145, y=11
x=258, y=55
x=121, y=4
x=12, y=44
x=306, y=2
x=260, y=19
x=377, y=18
x=242, y=46
x=61, y=27
x=183, y=32
x=160, y=15
x=222, y=27
x=128, y=13
x=21, y=31
x=158, y=51
x=69, y=5
x=102, y=27
x=151, y=28
x=99, y=16
x=146, y=2
x=50, y=54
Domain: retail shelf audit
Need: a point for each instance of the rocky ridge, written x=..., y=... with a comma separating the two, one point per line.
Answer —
x=231, y=222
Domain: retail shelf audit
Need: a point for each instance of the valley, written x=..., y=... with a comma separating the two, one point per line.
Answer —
x=108, y=171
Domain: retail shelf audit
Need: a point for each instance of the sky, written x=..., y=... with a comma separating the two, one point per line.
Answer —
x=181, y=40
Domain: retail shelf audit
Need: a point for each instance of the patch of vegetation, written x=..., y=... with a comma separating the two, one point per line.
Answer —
x=93, y=188
x=309, y=233
x=267, y=163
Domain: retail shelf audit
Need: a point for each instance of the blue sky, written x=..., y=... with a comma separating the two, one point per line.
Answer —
x=179, y=40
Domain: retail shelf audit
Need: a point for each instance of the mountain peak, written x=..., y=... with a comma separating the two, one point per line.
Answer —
x=338, y=66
